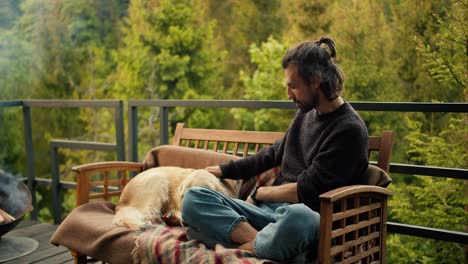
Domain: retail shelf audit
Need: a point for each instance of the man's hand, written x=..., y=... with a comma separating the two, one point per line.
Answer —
x=286, y=193
x=249, y=200
x=215, y=170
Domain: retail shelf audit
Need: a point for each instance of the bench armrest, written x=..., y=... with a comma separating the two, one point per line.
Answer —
x=107, y=165
x=352, y=223
x=343, y=192
x=104, y=187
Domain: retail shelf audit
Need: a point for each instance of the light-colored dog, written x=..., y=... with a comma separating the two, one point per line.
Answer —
x=158, y=192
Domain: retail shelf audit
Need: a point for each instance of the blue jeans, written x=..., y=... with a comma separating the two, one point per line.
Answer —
x=285, y=230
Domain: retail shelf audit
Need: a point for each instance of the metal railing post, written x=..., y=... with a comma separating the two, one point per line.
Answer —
x=119, y=131
x=56, y=190
x=133, y=132
x=164, y=125
x=30, y=158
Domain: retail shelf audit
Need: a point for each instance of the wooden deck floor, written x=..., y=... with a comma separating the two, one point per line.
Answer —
x=46, y=252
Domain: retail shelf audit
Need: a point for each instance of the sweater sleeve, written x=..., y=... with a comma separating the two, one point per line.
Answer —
x=339, y=160
x=255, y=164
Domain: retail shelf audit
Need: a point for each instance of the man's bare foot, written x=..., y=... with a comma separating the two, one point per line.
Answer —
x=249, y=246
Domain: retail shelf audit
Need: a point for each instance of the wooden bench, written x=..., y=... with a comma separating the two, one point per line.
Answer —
x=352, y=218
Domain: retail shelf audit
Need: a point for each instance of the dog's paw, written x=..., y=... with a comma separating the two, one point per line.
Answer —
x=173, y=218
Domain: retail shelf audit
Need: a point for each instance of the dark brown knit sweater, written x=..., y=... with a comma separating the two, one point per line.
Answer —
x=320, y=151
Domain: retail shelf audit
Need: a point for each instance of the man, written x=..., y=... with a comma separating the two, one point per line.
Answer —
x=325, y=147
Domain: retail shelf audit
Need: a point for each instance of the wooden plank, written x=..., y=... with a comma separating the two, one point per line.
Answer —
x=350, y=228
x=341, y=248
x=25, y=223
x=231, y=135
x=31, y=231
x=57, y=258
x=44, y=239
x=358, y=210
x=69, y=262
x=359, y=256
x=41, y=256
x=46, y=252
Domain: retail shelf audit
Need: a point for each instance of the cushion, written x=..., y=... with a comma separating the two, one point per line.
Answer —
x=376, y=176
x=168, y=155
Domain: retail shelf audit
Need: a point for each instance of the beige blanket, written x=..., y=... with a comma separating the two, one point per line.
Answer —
x=88, y=229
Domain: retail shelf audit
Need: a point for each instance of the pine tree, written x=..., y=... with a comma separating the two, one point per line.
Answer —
x=429, y=201
x=166, y=54
x=265, y=83
x=240, y=24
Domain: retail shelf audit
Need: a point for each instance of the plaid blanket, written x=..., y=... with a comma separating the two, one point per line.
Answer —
x=164, y=244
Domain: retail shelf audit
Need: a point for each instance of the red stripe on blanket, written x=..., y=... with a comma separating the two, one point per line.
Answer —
x=158, y=244
x=217, y=259
x=240, y=256
x=177, y=252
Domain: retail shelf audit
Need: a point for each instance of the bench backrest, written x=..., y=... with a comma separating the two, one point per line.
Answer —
x=243, y=143
x=225, y=141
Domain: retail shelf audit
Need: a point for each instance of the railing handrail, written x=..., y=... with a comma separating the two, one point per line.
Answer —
x=452, y=107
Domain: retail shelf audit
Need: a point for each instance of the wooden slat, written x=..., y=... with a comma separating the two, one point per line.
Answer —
x=355, y=234
x=341, y=248
x=205, y=146
x=102, y=195
x=236, y=148
x=262, y=137
x=246, y=150
x=106, y=184
x=359, y=210
x=102, y=183
x=123, y=180
x=385, y=152
x=359, y=256
x=215, y=147
x=374, y=143
x=350, y=228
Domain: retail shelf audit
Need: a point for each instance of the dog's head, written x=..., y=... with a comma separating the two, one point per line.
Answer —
x=202, y=178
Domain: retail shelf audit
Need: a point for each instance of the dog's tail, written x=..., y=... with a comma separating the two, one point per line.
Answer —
x=128, y=216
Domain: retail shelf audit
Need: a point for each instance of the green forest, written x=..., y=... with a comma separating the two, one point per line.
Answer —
x=389, y=50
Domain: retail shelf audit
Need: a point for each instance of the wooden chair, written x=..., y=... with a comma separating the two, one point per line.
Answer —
x=352, y=218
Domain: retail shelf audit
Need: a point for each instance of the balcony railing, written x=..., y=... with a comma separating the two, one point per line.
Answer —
x=164, y=107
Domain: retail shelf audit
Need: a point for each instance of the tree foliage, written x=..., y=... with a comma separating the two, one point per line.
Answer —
x=266, y=83
x=427, y=201
x=431, y=202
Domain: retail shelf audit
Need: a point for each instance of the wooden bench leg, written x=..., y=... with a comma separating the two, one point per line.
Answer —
x=79, y=258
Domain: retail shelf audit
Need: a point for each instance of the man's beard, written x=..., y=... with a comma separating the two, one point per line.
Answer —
x=307, y=106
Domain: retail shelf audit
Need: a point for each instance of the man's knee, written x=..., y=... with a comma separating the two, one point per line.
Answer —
x=189, y=206
x=195, y=198
x=299, y=219
x=294, y=232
